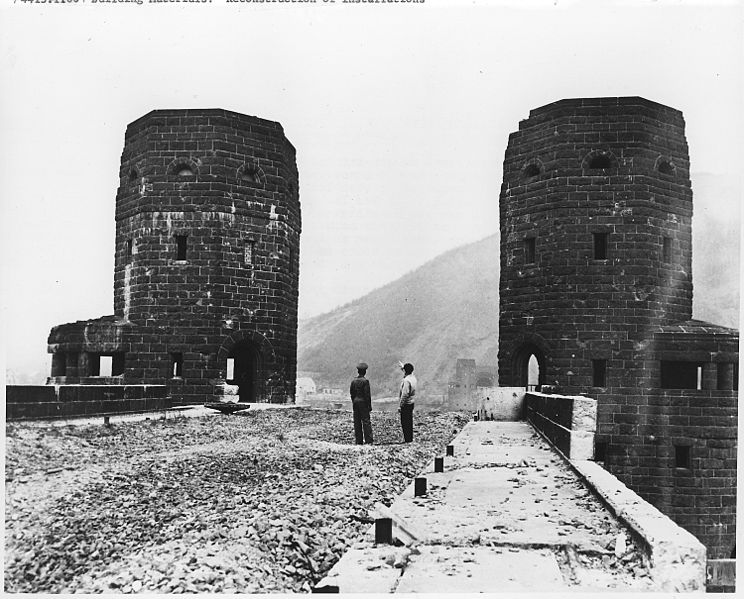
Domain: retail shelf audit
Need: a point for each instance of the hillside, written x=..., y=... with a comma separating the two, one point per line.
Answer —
x=448, y=308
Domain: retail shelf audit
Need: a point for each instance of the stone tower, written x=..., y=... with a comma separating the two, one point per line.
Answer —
x=596, y=242
x=596, y=285
x=206, y=261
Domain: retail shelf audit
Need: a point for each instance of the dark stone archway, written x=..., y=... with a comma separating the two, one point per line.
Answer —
x=246, y=368
x=521, y=362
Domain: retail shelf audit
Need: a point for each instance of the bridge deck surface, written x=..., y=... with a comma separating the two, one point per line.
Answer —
x=506, y=514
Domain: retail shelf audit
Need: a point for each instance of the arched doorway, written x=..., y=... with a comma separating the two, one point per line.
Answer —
x=533, y=372
x=529, y=367
x=243, y=366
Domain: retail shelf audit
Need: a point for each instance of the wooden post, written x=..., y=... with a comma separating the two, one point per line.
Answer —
x=383, y=531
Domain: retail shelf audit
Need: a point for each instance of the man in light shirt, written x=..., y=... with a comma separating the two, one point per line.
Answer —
x=406, y=395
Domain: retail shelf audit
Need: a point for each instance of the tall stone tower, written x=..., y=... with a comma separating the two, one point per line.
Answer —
x=596, y=288
x=206, y=262
x=596, y=243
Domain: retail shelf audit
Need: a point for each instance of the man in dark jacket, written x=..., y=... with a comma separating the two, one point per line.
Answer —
x=361, y=402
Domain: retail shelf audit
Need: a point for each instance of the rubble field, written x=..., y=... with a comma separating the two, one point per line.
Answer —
x=263, y=501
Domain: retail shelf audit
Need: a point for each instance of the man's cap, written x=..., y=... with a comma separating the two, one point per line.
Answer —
x=408, y=367
x=362, y=366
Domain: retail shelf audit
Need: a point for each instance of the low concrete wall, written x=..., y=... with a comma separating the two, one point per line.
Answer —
x=676, y=558
x=64, y=401
x=569, y=422
x=499, y=403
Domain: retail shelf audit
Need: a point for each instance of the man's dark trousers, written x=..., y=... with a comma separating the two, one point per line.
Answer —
x=406, y=421
x=362, y=424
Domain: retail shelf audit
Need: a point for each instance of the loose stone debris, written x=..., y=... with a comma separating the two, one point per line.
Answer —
x=261, y=501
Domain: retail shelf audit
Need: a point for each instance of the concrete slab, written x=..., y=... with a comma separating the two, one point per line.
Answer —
x=366, y=569
x=481, y=570
x=506, y=486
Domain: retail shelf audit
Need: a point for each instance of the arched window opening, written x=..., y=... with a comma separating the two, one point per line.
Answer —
x=250, y=175
x=176, y=365
x=665, y=167
x=184, y=170
x=531, y=170
x=600, y=161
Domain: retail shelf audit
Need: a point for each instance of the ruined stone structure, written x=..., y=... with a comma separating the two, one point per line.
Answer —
x=461, y=390
x=596, y=284
x=206, y=263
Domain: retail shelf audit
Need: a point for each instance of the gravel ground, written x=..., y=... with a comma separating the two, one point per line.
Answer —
x=266, y=501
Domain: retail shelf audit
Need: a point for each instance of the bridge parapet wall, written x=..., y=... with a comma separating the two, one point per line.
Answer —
x=569, y=422
x=61, y=401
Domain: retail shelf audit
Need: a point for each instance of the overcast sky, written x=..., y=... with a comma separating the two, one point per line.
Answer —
x=400, y=115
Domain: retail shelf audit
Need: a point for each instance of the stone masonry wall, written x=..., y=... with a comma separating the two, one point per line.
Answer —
x=65, y=401
x=639, y=430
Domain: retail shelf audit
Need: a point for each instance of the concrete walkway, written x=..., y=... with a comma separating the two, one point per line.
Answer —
x=507, y=514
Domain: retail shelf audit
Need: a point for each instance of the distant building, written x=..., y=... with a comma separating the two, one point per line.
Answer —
x=468, y=378
x=330, y=391
x=306, y=386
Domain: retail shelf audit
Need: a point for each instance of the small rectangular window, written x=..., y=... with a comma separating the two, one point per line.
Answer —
x=94, y=364
x=117, y=364
x=230, y=375
x=181, y=247
x=599, y=373
x=176, y=365
x=667, y=250
x=105, y=366
x=600, y=451
x=249, y=247
x=600, y=245
x=681, y=375
x=529, y=250
x=59, y=364
x=682, y=457
x=736, y=376
x=128, y=251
